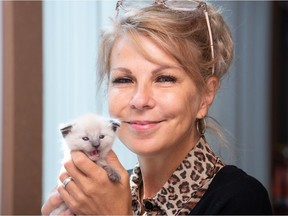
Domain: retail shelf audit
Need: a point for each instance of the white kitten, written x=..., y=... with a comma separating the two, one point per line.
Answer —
x=94, y=135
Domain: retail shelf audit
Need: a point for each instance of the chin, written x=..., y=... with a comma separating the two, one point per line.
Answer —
x=145, y=152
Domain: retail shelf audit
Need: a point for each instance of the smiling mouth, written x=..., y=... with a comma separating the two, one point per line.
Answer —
x=143, y=122
x=143, y=125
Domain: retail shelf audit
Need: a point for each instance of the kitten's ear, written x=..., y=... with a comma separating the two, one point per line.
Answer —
x=115, y=125
x=66, y=129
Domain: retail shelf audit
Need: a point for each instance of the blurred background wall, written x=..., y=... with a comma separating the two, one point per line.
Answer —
x=60, y=52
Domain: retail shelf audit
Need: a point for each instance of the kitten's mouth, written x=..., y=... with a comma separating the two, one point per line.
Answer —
x=93, y=155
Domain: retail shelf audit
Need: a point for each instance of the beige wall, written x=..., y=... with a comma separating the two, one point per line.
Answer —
x=22, y=107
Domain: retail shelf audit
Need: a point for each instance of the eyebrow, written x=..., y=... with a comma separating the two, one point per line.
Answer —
x=123, y=69
x=155, y=71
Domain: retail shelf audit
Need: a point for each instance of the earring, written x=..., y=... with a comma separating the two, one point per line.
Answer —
x=201, y=126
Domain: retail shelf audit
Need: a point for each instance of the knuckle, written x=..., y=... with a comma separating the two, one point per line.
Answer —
x=62, y=176
x=88, y=190
x=68, y=164
x=74, y=206
x=79, y=160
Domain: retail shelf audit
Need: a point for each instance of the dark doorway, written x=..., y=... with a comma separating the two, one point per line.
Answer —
x=279, y=108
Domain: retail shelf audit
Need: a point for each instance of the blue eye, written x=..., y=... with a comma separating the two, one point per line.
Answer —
x=166, y=79
x=85, y=138
x=101, y=136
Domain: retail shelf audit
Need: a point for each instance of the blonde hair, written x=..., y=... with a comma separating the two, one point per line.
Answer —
x=181, y=34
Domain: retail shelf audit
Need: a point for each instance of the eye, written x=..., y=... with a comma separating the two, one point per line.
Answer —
x=101, y=136
x=85, y=138
x=122, y=80
x=165, y=79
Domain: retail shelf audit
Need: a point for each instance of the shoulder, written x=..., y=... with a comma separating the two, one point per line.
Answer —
x=231, y=176
x=232, y=191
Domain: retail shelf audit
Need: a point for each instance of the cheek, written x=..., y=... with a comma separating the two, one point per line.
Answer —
x=180, y=102
x=116, y=102
x=186, y=107
x=111, y=104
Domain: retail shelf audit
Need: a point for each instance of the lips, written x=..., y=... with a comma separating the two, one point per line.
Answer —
x=143, y=125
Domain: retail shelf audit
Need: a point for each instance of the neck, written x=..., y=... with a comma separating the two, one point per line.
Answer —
x=154, y=174
x=158, y=169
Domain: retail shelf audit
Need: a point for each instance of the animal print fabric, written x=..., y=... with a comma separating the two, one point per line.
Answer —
x=184, y=188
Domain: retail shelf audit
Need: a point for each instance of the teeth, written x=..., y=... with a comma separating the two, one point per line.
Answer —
x=93, y=153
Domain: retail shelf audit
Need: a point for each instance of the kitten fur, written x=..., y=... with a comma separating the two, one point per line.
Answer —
x=92, y=134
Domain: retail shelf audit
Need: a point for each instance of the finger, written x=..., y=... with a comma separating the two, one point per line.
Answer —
x=84, y=164
x=82, y=180
x=64, y=194
x=64, y=177
x=74, y=171
x=70, y=194
x=53, y=202
x=67, y=212
x=71, y=190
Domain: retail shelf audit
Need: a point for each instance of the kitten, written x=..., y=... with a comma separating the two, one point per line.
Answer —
x=94, y=135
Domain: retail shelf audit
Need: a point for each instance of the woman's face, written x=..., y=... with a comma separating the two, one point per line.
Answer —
x=156, y=104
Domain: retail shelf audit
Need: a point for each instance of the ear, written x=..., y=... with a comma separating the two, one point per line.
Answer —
x=115, y=125
x=66, y=129
x=212, y=85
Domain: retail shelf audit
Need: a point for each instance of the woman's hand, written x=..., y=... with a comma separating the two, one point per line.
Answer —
x=91, y=191
x=53, y=202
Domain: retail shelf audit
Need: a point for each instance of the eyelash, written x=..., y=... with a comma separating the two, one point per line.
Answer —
x=164, y=79
x=121, y=80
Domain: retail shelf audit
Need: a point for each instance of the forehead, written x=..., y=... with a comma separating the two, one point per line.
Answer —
x=129, y=47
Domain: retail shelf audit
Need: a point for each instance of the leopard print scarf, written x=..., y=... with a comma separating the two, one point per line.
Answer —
x=184, y=188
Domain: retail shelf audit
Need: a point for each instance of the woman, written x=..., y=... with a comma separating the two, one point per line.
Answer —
x=163, y=63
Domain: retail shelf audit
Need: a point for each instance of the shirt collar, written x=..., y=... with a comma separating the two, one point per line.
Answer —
x=184, y=188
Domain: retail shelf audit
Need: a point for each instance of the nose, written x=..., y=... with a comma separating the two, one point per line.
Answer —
x=96, y=144
x=142, y=98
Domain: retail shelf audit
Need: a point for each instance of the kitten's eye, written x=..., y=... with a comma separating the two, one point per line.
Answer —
x=101, y=136
x=85, y=138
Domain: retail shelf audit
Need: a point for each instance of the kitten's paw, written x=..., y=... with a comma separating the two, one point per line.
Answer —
x=112, y=174
x=114, y=177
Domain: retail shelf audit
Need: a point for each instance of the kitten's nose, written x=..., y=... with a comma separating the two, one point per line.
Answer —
x=96, y=144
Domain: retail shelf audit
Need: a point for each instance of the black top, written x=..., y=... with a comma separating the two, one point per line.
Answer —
x=232, y=192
